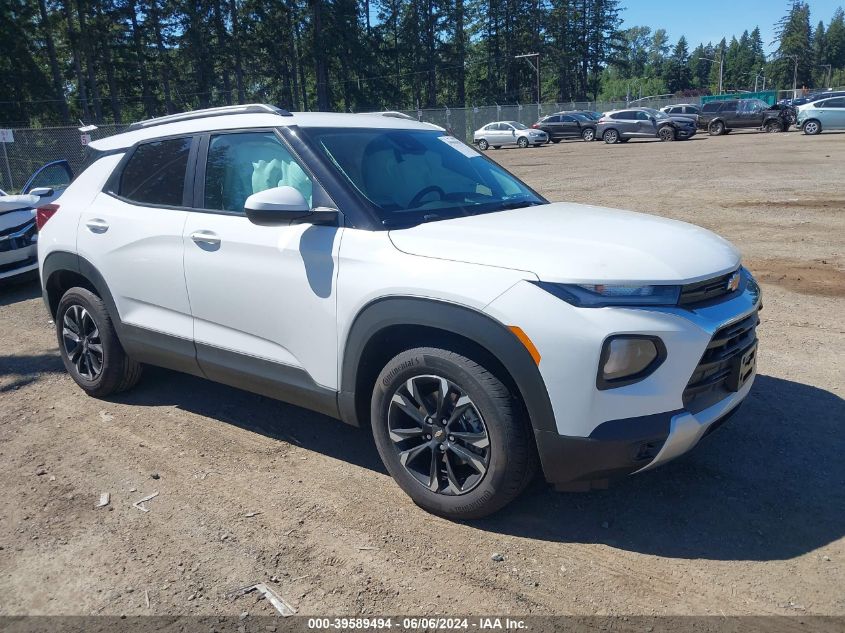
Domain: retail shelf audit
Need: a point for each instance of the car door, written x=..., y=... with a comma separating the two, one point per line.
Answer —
x=55, y=176
x=132, y=234
x=646, y=125
x=569, y=127
x=730, y=115
x=508, y=134
x=262, y=297
x=832, y=114
x=551, y=126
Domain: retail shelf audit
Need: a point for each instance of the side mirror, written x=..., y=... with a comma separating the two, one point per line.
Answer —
x=278, y=205
x=42, y=192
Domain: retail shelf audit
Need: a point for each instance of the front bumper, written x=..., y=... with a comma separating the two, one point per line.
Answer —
x=18, y=251
x=686, y=132
x=600, y=435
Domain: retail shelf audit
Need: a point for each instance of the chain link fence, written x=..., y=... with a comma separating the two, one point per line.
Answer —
x=33, y=147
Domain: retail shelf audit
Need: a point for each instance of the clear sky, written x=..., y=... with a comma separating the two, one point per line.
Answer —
x=712, y=20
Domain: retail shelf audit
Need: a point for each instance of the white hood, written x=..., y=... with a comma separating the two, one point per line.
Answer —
x=564, y=242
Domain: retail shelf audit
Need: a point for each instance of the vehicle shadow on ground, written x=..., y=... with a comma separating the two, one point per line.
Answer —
x=251, y=412
x=16, y=291
x=769, y=485
x=24, y=370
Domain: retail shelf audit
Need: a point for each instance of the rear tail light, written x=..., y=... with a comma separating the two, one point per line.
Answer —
x=603, y=120
x=535, y=126
x=44, y=213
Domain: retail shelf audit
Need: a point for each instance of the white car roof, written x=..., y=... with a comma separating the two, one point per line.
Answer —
x=218, y=119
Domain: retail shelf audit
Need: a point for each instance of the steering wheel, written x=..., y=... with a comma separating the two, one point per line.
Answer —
x=417, y=199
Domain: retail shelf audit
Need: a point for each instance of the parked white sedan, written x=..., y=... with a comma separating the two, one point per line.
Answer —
x=501, y=133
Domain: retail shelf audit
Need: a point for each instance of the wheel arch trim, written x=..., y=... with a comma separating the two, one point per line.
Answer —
x=471, y=324
x=59, y=261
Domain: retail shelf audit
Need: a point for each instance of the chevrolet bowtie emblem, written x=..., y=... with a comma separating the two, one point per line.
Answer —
x=733, y=282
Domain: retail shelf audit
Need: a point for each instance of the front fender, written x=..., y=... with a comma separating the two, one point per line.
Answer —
x=468, y=323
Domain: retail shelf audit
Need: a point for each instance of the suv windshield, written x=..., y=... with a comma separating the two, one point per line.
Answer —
x=414, y=176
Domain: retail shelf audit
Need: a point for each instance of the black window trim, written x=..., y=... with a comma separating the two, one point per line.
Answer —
x=112, y=186
x=202, y=161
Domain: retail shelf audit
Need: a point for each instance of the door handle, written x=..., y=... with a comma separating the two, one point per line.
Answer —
x=206, y=238
x=96, y=225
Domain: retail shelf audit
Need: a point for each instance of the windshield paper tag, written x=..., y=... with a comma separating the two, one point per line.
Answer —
x=463, y=148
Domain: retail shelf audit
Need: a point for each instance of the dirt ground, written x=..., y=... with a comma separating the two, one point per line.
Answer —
x=249, y=489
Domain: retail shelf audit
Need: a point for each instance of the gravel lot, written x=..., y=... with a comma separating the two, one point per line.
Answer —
x=250, y=490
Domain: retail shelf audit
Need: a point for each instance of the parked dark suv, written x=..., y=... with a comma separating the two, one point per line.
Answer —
x=565, y=125
x=719, y=117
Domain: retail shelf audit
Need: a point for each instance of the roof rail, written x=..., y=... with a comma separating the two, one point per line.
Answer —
x=250, y=108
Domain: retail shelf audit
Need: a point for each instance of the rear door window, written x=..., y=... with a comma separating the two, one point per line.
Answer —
x=833, y=103
x=711, y=107
x=155, y=173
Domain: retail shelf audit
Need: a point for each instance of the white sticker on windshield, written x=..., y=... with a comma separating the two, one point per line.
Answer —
x=463, y=148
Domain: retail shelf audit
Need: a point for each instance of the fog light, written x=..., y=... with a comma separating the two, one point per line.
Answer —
x=629, y=359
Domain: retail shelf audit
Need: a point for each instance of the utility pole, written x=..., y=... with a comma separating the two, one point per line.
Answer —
x=527, y=57
x=721, y=67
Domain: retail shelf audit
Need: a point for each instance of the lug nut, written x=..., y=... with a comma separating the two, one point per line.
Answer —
x=451, y=438
x=442, y=447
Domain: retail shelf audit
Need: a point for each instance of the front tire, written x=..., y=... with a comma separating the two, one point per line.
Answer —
x=589, y=135
x=90, y=349
x=773, y=127
x=451, y=434
x=812, y=127
x=522, y=143
x=666, y=133
x=483, y=145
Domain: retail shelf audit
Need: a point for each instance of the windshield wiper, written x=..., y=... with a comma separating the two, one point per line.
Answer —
x=519, y=204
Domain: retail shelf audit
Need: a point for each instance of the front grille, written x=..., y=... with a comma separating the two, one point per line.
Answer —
x=708, y=383
x=707, y=290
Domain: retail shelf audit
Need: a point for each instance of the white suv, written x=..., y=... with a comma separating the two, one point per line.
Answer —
x=376, y=270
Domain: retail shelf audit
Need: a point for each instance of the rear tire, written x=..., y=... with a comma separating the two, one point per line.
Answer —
x=472, y=466
x=812, y=127
x=497, y=147
x=717, y=128
x=611, y=137
x=555, y=141
x=90, y=349
x=483, y=145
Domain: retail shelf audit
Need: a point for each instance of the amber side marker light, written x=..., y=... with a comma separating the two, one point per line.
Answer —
x=523, y=338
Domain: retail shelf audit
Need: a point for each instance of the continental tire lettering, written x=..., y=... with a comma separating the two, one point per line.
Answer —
x=396, y=370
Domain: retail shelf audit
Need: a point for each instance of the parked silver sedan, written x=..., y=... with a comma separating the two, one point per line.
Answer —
x=501, y=133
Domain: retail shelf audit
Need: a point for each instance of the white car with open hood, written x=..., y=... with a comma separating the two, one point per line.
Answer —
x=379, y=271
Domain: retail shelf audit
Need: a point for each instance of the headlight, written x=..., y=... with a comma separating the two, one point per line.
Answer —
x=627, y=359
x=602, y=295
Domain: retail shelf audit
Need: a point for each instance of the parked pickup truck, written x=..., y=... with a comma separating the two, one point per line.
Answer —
x=721, y=117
